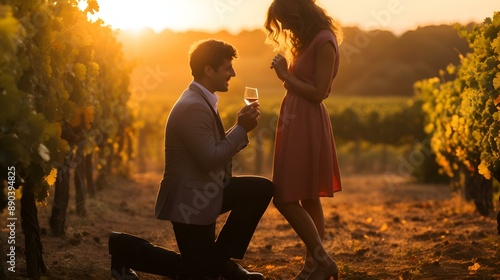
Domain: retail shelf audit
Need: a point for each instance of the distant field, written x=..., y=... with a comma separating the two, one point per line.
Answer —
x=269, y=99
x=152, y=112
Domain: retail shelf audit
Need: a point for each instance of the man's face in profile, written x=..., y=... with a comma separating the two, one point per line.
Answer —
x=221, y=76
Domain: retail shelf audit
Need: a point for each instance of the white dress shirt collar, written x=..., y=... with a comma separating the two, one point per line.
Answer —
x=213, y=98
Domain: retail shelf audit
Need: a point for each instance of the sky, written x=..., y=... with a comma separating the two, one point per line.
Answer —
x=397, y=16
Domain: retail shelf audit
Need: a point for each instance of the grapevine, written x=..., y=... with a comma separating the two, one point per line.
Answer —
x=64, y=92
x=463, y=114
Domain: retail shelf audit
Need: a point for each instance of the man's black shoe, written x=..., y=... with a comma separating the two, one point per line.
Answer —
x=118, y=270
x=233, y=271
x=123, y=273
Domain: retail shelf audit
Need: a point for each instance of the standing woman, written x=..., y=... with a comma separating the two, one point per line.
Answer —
x=305, y=159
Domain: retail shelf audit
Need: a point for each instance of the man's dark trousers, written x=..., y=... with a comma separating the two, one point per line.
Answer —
x=201, y=253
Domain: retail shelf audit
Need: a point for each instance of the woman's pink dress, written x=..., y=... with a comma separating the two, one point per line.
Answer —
x=305, y=158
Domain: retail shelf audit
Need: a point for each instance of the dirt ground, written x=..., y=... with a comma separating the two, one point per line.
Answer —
x=377, y=228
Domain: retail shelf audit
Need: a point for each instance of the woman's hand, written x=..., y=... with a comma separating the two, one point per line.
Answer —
x=280, y=66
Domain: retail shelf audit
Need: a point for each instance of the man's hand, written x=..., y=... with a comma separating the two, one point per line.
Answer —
x=248, y=117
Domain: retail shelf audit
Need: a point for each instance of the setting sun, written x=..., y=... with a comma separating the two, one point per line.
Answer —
x=157, y=15
x=236, y=15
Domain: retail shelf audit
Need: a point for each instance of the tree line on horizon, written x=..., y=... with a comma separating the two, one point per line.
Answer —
x=373, y=63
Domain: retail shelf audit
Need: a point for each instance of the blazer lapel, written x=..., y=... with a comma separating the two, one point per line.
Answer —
x=218, y=120
x=228, y=168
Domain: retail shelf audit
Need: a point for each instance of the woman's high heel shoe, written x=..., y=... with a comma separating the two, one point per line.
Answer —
x=303, y=274
x=325, y=273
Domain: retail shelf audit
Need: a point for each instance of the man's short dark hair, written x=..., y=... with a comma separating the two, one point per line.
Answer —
x=209, y=52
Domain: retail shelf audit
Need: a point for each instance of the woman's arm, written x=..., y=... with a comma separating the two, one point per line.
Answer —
x=325, y=61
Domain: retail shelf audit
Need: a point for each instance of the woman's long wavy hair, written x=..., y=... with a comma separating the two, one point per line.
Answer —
x=303, y=18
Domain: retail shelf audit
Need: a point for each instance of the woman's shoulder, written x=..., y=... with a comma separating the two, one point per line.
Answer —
x=325, y=33
x=322, y=37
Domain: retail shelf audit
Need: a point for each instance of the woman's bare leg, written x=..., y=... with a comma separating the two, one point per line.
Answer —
x=315, y=210
x=305, y=227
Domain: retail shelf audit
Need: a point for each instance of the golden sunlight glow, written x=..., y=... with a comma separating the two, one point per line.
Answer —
x=154, y=14
x=235, y=15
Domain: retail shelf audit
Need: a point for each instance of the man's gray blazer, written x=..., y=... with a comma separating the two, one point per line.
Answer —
x=198, y=156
